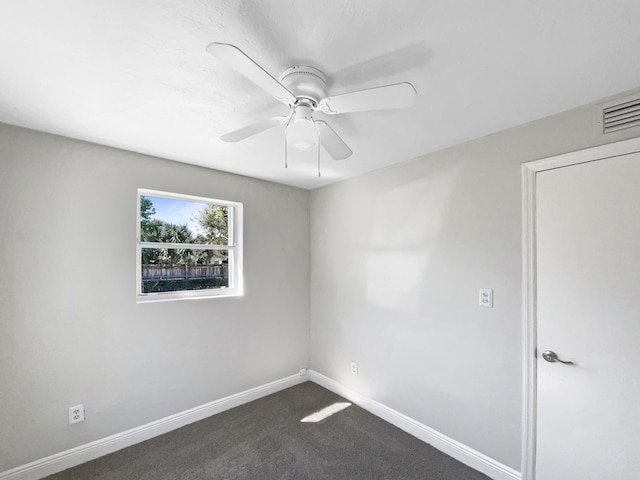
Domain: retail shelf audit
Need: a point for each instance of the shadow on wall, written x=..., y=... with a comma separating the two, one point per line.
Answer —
x=406, y=224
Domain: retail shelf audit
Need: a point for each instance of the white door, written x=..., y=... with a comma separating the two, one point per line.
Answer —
x=588, y=312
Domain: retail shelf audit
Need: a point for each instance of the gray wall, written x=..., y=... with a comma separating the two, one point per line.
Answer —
x=397, y=258
x=70, y=329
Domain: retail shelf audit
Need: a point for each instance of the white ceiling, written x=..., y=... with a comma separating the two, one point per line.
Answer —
x=134, y=74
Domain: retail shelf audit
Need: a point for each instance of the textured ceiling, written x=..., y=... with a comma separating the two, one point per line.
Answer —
x=134, y=74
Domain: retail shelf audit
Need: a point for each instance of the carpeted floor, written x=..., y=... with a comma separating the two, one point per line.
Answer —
x=265, y=440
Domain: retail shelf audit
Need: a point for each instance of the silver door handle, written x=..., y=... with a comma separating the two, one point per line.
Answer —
x=552, y=357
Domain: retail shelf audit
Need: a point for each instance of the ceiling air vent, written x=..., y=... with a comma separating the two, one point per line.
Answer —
x=618, y=117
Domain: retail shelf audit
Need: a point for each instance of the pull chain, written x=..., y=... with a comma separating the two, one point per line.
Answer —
x=286, y=165
x=318, y=157
x=286, y=127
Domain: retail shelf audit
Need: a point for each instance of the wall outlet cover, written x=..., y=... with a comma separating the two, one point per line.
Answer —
x=76, y=414
x=486, y=297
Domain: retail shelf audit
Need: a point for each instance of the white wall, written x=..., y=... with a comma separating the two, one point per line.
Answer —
x=397, y=258
x=70, y=329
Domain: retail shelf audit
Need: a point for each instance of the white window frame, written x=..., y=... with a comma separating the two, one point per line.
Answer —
x=234, y=249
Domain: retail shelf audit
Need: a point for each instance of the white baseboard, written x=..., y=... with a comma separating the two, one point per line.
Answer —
x=457, y=450
x=90, y=451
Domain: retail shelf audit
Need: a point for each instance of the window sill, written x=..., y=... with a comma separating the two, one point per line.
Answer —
x=171, y=297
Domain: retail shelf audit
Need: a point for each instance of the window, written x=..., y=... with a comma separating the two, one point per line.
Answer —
x=188, y=247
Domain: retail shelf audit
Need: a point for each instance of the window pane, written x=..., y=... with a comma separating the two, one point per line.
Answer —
x=172, y=270
x=170, y=220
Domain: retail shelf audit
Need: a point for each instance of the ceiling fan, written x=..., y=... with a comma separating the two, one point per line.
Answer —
x=304, y=90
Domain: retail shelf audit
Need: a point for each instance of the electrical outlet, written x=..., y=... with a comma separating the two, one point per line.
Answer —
x=354, y=368
x=76, y=414
x=486, y=297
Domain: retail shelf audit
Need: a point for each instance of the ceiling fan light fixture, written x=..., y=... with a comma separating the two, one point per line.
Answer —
x=303, y=89
x=302, y=133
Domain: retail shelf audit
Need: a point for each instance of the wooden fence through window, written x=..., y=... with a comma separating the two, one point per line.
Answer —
x=182, y=272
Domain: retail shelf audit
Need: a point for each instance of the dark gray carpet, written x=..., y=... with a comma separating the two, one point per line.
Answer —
x=265, y=440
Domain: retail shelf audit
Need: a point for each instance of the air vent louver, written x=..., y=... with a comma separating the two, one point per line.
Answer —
x=618, y=117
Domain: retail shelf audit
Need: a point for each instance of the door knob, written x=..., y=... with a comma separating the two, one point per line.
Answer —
x=552, y=357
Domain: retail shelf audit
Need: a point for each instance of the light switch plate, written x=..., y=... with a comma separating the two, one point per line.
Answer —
x=485, y=298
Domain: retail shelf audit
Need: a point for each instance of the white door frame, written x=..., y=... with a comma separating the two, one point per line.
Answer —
x=529, y=172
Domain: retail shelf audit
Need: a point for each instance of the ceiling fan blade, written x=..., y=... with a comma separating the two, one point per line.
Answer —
x=332, y=142
x=243, y=64
x=249, y=130
x=398, y=95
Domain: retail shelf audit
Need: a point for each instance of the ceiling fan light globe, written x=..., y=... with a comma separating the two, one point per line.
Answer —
x=302, y=133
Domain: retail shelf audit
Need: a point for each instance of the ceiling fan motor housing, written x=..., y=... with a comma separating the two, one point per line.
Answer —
x=306, y=83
